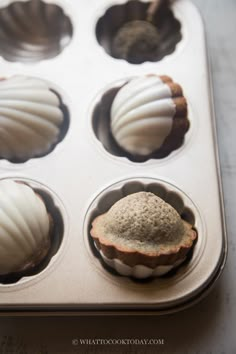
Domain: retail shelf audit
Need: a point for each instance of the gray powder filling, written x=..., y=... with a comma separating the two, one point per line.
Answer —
x=145, y=219
x=136, y=41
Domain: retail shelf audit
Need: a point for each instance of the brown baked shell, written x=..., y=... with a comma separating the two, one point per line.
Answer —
x=149, y=259
x=180, y=124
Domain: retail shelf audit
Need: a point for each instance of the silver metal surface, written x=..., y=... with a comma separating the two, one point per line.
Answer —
x=32, y=30
x=79, y=169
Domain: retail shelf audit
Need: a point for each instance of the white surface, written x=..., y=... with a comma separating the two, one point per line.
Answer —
x=139, y=271
x=30, y=117
x=24, y=227
x=209, y=326
x=142, y=115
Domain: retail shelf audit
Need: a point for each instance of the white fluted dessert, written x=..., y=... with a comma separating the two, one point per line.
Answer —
x=146, y=113
x=30, y=118
x=24, y=228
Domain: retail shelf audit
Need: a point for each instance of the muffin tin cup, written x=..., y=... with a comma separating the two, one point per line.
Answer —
x=101, y=128
x=171, y=195
x=58, y=238
x=63, y=127
x=33, y=30
x=80, y=171
x=109, y=28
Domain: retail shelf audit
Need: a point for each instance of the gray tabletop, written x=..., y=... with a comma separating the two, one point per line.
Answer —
x=208, y=327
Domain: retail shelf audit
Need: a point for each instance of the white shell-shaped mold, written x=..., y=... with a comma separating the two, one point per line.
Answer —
x=33, y=30
x=139, y=271
x=24, y=228
x=142, y=115
x=31, y=118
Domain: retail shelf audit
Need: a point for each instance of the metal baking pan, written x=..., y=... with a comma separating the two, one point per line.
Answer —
x=83, y=175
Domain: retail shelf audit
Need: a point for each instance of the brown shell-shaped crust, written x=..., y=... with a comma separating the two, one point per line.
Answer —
x=181, y=123
x=151, y=260
x=181, y=107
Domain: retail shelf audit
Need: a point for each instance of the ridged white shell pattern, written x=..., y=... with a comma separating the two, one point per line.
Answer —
x=142, y=115
x=138, y=271
x=30, y=117
x=24, y=227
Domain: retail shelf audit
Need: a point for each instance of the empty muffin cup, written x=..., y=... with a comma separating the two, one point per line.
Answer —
x=32, y=229
x=163, y=217
x=138, y=31
x=33, y=30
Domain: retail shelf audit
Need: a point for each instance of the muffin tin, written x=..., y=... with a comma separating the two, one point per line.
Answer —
x=81, y=178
